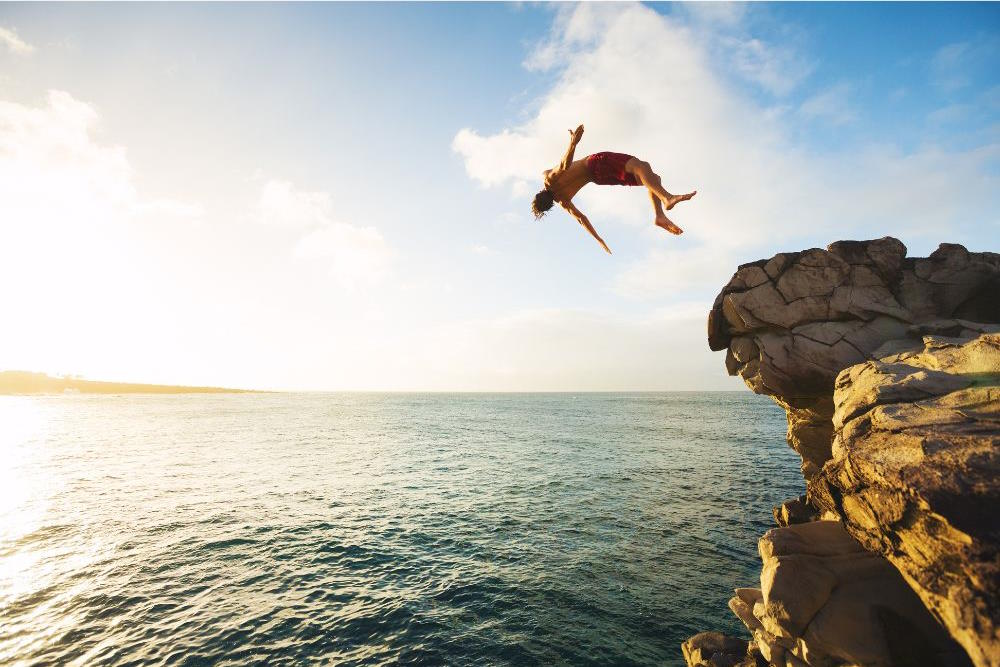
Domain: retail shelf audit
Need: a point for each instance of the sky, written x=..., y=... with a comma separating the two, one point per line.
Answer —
x=336, y=196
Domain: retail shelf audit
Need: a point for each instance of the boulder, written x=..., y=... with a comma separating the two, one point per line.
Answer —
x=714, y=649
x=794, y=511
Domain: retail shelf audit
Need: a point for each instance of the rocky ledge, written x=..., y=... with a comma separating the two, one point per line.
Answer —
x=791, y=323
x=888, y=368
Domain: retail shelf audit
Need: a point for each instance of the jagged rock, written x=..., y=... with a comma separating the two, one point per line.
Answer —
x=794, y=511
x=914, y=473
x=824, y=601
x=790, y=324
x=888, y=369
x=714, y=649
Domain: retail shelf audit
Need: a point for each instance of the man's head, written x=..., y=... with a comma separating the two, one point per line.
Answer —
x=542, y=203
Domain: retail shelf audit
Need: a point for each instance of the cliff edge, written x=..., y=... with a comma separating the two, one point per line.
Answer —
x=888, y=368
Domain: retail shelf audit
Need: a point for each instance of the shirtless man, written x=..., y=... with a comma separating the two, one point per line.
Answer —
x=563, y=182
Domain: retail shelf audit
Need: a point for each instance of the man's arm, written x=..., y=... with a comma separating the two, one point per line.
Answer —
x=582, y=219
x=574, y=139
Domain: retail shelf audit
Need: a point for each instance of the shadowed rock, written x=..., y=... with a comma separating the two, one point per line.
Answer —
x=888, y=368
x=914, y=475
x=714, y=649
x=823, y=601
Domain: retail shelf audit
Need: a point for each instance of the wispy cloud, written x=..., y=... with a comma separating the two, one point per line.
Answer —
x=280, y=203
x=353, y=256
x=74, y=234
x=954, y=67
x=14, y=44
x=832, y=105
x=947, y=68
x=759, y=185
x=776, y=69
x=55, y=173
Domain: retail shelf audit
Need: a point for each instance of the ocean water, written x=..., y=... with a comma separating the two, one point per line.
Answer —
x=377, y=529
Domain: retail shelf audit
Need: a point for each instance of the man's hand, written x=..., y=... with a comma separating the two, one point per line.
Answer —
x=576, y=135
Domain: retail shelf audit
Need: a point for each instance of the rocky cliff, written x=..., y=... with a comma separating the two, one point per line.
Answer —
x=888, y=368
x=915, y=476
x=791, y=323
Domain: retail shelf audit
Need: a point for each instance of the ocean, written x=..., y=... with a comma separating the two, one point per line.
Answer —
x=380, y=529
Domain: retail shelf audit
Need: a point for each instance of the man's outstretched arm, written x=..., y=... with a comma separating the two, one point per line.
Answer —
x=582, y=219
x=574, y=139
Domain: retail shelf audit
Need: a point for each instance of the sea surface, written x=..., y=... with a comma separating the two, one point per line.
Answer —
x=378, y=529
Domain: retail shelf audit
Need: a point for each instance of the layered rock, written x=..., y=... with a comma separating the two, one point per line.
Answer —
x=823, y=600
x=791, y=323
x=888, y=368
x=914, y=475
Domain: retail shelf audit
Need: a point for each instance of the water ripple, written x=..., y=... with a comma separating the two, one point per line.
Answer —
x=366, y=529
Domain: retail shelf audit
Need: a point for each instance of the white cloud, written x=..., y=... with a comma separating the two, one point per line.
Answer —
x=776, y=69
x=281, y=204
x=55, y=174
x=14, y=44
x=947, y=69
x=954, y=67
x=353, y=256
x=952, y=113
x=759, y=190
x=726, y=14
x=832, y=105
x=51, y=166
x=75, y=236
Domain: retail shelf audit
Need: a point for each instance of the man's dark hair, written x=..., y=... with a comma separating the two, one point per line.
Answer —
x=542, y=203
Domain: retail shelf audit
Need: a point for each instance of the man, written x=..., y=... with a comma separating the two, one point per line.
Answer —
x=563, y=182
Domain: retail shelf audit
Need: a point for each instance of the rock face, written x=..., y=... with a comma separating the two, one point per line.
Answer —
x=791, y=323
x=714, y=649
x=914, y=475
x=888, y=368
x=823, y=600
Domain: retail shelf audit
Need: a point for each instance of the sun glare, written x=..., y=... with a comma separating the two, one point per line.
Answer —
x=22, y=425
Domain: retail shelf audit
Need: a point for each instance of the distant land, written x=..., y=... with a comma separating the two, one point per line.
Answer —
x=26, y=382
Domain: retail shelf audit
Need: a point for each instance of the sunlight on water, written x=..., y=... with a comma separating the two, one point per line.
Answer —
x=364, y=529
x=22, y=428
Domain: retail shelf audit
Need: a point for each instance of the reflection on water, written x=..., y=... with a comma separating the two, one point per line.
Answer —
x=368, y=529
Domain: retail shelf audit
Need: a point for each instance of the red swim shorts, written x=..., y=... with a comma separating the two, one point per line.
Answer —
x=609, y=169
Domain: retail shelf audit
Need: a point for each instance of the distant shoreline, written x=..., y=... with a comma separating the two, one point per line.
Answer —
x=26, y=382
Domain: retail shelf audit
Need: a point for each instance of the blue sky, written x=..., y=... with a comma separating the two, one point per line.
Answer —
x=335, y=196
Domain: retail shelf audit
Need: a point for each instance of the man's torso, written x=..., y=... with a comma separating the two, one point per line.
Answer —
x=565, y=184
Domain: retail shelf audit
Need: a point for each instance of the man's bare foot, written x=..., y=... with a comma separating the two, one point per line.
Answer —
x=668, y=225
x=676, y=199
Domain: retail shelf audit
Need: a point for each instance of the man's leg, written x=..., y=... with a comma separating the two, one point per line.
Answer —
x=661, y=219
x=645, y=174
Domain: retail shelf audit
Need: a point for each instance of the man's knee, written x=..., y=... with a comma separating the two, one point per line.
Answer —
x=640, y=167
